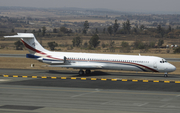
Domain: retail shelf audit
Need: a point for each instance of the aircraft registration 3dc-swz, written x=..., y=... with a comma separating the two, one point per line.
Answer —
x=92, y=61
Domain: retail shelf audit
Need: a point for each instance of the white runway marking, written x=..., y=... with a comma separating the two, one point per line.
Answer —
x=143, y=104
x=140, y=104
x=164, y=105
x=2, y=80
x=106, y=102
x=85, y=93
x=166, y=99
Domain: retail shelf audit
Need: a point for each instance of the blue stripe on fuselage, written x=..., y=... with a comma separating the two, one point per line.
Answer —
x=32, y=56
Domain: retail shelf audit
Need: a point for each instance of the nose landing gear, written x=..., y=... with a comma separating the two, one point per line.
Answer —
x=165, y=74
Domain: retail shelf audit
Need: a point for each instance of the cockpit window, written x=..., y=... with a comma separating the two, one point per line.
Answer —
x=163, y=61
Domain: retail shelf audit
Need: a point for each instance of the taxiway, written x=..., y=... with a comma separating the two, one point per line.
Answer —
x=34, y=95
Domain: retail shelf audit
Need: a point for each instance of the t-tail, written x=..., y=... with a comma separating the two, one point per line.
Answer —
x=30, y=42
x=36, y=50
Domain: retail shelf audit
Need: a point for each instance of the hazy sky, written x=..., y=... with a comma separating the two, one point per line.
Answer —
x=119, y=5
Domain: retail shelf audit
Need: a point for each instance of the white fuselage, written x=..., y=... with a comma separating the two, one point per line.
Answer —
x=113, y=62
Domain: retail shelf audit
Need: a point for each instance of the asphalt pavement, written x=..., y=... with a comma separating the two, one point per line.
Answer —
x=36, y=95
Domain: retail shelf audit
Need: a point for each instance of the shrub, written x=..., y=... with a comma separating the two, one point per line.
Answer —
x=52, y=45
x=177, y=50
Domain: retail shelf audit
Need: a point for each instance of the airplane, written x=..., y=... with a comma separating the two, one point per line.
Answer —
x=92, y=61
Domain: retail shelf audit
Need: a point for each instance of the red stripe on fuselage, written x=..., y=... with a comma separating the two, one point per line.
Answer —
x=40, y=52
x=32, y=49
x=153, y=70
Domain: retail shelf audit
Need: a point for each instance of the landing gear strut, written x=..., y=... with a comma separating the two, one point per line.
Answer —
x=165, y=74
x=88, y=71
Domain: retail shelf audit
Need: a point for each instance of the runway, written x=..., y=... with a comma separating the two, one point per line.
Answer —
x=34, y=95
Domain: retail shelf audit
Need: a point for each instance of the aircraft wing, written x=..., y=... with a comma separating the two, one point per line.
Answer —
x=87, y=66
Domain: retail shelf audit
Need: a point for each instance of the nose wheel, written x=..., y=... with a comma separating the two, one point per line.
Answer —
x=165, y=74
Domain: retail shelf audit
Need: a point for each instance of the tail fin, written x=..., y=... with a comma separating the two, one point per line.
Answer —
x=30, y=42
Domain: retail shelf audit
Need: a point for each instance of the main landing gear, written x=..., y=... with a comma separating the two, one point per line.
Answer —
x=81, y=72
x=165, y=74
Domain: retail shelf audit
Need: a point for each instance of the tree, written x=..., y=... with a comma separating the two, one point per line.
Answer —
x=12, y=30
x=43, y=31
x=111, y=46
x=27, y=22
x=103, y=45
x=34, y=31
x=115, y=26
x=124, y=26
x=177, y=50
x=25, y=31
x=63, y=29
x=70, y=31
x=162, y=32
x=125, y=47
x=110, y=30
x=135, y=30
x=77, y=41
x=97, y=31
x=169, y=29
x=86, y=27
x=142, y=27
x=159, y=29
x=94, y=41
x=39, y=30
x=104, y=30
x=160, y=42
x=19, y=45
x=85, y=45
x=125, y=44
x=52, y=45
x=128, y=26
x=152, y=44
x=54, y=30
x=139, y=45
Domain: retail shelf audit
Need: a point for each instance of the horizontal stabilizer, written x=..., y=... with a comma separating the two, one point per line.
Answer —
x=21, y=35
x=30, y=42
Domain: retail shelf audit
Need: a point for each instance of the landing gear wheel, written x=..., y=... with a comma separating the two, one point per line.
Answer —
x=81, y=72
x=165, y=74
x=88, y=71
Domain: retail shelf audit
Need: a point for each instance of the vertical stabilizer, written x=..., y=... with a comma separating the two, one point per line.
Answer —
x=30, y=42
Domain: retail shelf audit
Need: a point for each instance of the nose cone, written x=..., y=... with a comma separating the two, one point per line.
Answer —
x=171, y=68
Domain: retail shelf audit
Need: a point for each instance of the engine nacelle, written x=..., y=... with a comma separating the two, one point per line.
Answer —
x=49, y=59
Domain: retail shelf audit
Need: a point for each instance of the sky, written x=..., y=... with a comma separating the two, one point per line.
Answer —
x=118, y=5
